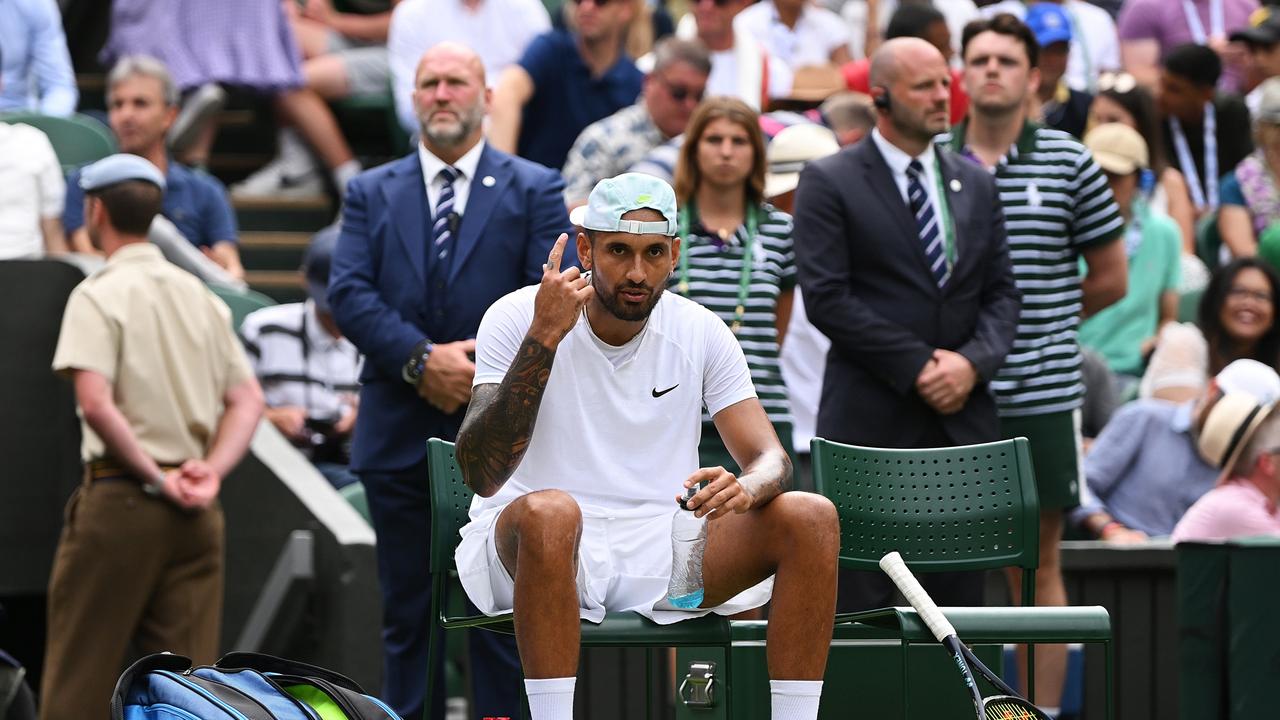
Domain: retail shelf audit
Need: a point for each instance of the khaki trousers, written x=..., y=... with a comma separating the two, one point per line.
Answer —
x=131, y=571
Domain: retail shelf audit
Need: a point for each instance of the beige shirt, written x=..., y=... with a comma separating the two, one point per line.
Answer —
x=165, y=344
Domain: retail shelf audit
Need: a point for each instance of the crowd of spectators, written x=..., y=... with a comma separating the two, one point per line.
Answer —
x=1130, y=150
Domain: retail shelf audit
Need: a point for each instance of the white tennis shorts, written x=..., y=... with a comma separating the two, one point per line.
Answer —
x=624, y=564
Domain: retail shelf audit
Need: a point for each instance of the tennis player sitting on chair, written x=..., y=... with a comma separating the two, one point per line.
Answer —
x=584, y=424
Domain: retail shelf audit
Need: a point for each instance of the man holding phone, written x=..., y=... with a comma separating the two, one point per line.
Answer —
x=573, y=517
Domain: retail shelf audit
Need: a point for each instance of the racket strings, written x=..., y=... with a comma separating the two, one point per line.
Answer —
x=1010, y=709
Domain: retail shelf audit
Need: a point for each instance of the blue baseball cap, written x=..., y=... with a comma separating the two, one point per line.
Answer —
x=316, y=263
x=614, y=197
x=117, y=169
x=1049, y=23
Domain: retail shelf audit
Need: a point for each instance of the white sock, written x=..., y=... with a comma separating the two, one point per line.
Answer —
x=343, y=173
x=795, y=699
x=551, y=699
x=293, y=151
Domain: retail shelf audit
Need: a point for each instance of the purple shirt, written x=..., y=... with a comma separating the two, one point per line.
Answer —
x=1236, y=508
x=1165, y=22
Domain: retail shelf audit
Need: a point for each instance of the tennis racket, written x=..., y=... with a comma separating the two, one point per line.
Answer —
x=1008, y=705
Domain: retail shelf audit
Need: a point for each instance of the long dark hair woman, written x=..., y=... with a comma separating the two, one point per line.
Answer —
x=736, y=256
x=1238, y=314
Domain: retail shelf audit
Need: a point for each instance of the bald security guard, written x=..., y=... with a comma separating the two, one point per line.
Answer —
x=169, y=404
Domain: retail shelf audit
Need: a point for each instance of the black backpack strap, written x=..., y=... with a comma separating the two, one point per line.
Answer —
x=158, y=661
x=271, y=664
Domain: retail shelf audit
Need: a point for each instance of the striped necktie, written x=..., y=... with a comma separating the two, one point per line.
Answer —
x=927, y=223
x=442, y=230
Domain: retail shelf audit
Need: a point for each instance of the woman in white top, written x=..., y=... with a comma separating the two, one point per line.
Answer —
x=32, y=191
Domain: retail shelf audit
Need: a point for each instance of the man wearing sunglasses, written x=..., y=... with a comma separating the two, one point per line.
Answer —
x=566, y=80
x=671, y=91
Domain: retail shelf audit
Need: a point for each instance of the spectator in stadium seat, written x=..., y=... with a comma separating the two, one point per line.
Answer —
x=1191, y=110
x=1151, y=29
x=1250, y=212
x=35, y=65
x=498, y=31
x=31, y=194
x=1238, y=314
x=1059, y=211
x=428, y=242
x=1145, y=469
x=919, y=21
x=1121, y=99
x=309, y=372
x=141, y=106
x=914, y=343
x=1125, y=332
x=797, y=32
x=803, y=357
x=1245, y=501
x=1262, y=40
x=740, y=65
x=344, y=54
x=565, y=81
x=610, y=146
x=1095, y=42
x=168, y=405
x=1060, y=106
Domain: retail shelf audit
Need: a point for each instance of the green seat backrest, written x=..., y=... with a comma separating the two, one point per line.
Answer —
x=241, y=302
x=1189, y=306
x=355, y=495
x=77, y=140
x=961, y=508
x=1209, y=241
x=450, y=501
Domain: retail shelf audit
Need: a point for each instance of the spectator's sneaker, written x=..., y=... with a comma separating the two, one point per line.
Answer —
x=198, y=110
x=278, y=179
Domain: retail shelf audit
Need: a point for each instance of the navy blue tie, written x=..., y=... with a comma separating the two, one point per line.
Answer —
x=442, y=229
x=927, y=223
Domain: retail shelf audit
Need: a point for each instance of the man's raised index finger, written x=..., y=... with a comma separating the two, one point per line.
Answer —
x=557, y=251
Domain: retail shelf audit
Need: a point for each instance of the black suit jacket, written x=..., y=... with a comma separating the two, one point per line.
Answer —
x=868, y=288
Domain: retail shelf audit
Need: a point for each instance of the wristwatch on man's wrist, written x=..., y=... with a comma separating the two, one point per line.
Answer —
x=155, y=486
x=412, y=371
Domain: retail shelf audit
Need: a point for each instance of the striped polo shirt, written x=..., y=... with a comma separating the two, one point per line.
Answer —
x=715, y=269
x=298, y=362
x=1057, y=204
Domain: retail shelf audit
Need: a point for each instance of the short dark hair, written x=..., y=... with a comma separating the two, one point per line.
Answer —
x=131, y=205
x=1196, y=63
x=1003, y=24
x=913, y=21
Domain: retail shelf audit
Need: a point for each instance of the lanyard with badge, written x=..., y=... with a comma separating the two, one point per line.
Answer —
x=1204, y=195
x=944, y=207
x=748, y=259
x=1217, y=21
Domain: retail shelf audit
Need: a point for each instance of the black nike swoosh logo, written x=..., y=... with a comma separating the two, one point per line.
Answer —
x=659, y=393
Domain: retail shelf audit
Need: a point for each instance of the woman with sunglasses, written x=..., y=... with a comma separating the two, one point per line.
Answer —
x=1121, y=99
x=736, y=255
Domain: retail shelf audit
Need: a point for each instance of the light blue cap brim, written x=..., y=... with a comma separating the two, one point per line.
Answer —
x=119, y=168
x=614, y=197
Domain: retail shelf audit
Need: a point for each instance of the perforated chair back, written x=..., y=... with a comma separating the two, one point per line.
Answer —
x=450, y=501
x=963, y=508
x=76, y=140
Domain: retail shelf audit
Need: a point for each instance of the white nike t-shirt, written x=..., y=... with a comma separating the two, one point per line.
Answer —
x=621, y=440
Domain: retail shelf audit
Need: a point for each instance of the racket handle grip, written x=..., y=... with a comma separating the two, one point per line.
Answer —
x=893, y=565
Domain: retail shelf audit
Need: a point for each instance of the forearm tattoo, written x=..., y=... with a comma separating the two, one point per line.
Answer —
x=499, y=421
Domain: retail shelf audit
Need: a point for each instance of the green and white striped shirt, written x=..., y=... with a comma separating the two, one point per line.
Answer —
x=715, y=269
x=1056, y=204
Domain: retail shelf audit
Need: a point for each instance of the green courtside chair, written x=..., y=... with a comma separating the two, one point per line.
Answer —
x=450, y=501
x=241, y=302
x=77, y=140
x=949, y=509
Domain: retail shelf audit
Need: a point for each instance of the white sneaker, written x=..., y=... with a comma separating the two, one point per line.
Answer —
x=276, y=179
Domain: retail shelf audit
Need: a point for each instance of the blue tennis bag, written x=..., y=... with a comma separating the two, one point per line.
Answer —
x=240, y=686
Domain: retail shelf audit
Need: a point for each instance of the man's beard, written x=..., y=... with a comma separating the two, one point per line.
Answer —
x=468, y=120
x=628, y=312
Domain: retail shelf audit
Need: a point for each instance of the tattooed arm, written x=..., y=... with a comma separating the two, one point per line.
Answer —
x=766, y=468
x=499, y=421
x=499, y=424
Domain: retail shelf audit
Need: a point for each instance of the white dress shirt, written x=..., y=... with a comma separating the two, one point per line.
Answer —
x=466, y=167
x=817, y=33
x=898, y=160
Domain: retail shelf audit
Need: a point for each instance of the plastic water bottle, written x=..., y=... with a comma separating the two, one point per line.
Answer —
x=688, y=543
